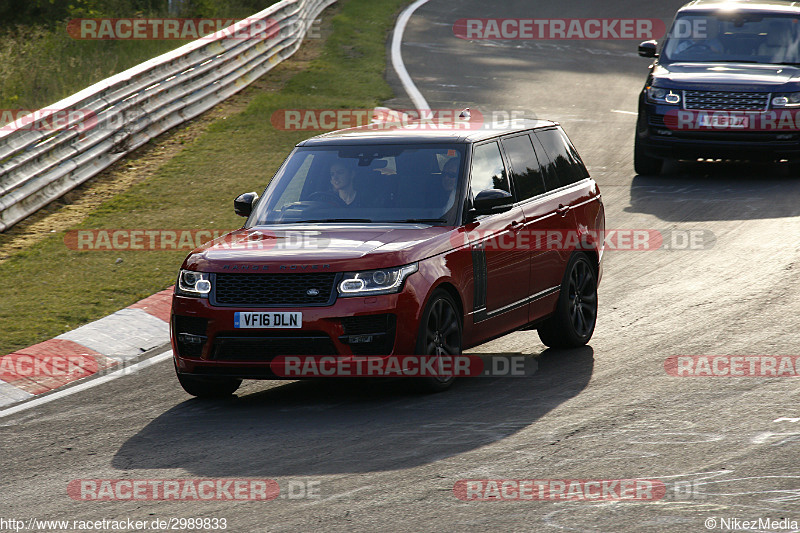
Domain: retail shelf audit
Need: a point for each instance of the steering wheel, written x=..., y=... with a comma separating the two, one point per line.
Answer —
x=328, y=198
x=697, y=47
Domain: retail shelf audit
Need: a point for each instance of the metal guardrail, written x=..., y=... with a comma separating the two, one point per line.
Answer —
x=39, y=164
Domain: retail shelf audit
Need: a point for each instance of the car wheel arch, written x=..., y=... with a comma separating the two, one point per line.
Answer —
x=594, y=259
x=452, y=291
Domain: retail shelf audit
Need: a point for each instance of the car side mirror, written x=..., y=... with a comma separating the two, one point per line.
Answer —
x=648, y=49
x=491, y=201
x=243, y=204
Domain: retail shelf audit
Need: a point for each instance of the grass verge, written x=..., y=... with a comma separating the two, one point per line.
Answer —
x=48, y=289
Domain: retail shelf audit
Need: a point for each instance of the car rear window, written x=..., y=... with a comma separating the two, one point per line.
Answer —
x=564, y=165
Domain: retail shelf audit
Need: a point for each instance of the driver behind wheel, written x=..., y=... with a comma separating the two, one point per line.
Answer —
x=702, y=39
x=342, y=181
x=445, y=195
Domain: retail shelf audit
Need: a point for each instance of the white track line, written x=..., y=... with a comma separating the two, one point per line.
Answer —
x=397, y=57
x=87, y=385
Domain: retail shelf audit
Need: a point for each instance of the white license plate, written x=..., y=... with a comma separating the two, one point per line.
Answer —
x=724, y=121
x=251, y=320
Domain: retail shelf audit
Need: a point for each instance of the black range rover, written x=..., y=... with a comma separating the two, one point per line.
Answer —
x=726, y=84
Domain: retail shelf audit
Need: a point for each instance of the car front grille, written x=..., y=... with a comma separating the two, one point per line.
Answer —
x=274, y=290
x=725, y=101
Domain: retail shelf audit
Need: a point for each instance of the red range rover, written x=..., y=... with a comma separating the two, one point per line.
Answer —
x=382, y=242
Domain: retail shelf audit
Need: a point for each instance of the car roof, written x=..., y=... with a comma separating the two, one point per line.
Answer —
x=774, y=6
x=412, y=133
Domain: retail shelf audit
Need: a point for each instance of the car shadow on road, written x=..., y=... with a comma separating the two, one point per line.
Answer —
x=326, y=427
x=716, y=191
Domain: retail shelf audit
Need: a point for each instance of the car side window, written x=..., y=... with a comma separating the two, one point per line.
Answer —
x=525, y=170
x=300, y=185
x=488, y=169
x=564, y=166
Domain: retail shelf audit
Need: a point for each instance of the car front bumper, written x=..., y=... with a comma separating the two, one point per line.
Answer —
x=655, y=139
x=205, y=341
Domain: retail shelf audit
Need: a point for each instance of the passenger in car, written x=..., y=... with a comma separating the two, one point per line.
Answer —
x=779, y=44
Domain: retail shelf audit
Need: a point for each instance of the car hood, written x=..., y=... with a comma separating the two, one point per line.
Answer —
x=332, y=248
x=736, y=75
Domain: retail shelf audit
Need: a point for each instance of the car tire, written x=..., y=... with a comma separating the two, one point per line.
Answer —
x=208, y=387
x=643, y=164
x=440, y=333
x=572, y=324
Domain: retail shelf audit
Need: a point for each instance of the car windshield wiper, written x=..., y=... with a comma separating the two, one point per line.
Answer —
x=713, y=61
x=334, y=220
x=420, y=221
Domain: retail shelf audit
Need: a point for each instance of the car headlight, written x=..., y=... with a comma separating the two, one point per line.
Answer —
x=786, y=100
x=659, y=95
x=383, y=281
x=191, y=283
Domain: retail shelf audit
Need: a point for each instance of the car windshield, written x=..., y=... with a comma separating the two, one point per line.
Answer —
x=367, y=183
x=734, y=37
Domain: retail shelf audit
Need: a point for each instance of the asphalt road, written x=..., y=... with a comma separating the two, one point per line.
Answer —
x=380, y=458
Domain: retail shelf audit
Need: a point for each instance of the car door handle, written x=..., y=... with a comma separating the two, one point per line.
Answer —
x=516, y=225
x=562, y=210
